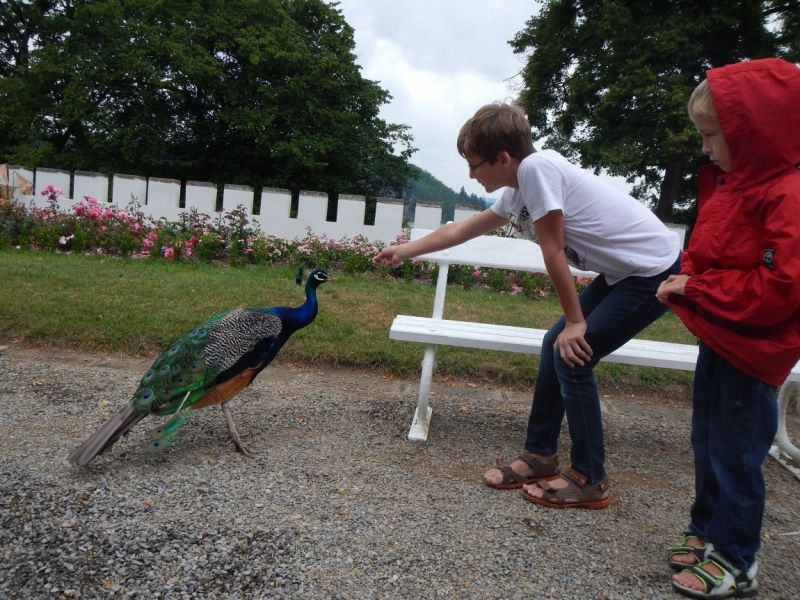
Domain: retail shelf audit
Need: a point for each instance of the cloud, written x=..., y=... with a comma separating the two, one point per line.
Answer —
x=440, y=60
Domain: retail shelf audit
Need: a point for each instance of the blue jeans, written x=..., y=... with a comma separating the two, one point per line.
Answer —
x=734, y=421
x=614, y=314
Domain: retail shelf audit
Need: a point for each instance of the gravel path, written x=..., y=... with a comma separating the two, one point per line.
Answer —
x=337, y=504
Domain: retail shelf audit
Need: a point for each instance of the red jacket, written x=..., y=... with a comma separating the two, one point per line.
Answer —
x=743, y=295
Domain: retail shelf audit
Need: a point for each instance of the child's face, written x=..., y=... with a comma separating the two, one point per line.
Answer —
x=492, y=176
x=714, y=144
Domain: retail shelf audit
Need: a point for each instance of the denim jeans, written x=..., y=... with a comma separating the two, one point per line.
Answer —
x=614, y=314
x=734, y=420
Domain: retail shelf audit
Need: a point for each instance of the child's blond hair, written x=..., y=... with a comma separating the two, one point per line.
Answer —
x=494, y=128
x=701, y=104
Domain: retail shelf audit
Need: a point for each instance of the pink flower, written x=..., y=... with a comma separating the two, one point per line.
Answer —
x=63, y=240
x=52, y=192
x=146, y=243
x=192, y=241
x=94, y=213
x=122, y=215
x=169, y=253
x=100, y=251
x=79, y=210
x=91, y=200
x=187, y=253
x=108, y=213
x=137, y=227
x=153, y=235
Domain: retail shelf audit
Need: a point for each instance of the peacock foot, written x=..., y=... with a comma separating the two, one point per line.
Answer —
x=243, y=448
x=234, y=434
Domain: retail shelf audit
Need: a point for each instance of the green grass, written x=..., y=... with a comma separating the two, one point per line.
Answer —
x=137, y=307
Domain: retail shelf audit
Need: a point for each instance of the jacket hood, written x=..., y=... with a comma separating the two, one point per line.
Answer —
x=758, y=104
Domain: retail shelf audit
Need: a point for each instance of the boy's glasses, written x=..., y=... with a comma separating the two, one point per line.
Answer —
x=473, y=167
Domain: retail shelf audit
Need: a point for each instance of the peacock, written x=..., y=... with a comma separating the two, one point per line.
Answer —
x=208, y=365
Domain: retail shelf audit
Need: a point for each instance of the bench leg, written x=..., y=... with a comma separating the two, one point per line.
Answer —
x=422, y=416
x=783, y=445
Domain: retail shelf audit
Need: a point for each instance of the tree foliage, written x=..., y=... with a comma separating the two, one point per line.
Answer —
x=259, y=92
x=426, y=188
x=607, y=82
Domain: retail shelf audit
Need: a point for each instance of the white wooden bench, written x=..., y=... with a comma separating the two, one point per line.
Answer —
x=520, y=255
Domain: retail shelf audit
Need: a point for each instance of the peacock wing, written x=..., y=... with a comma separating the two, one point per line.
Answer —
x=228, y=389
x=239, y=332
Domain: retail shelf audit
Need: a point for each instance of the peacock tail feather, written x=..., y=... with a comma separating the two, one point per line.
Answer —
x=181, y=369
x=165, y=435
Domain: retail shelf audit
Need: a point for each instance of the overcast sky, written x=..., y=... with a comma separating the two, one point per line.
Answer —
x=441, y=60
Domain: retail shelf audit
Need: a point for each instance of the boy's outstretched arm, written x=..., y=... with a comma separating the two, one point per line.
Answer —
x=571, y=343
x=446, y=236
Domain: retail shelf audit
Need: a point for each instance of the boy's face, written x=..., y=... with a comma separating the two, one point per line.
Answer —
x=714, y=144
x=492, y=176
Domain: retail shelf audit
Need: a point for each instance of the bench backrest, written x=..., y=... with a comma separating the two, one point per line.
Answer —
x=493, y=251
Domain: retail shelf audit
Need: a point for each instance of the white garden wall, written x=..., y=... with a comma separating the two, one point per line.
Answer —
x=160, y=199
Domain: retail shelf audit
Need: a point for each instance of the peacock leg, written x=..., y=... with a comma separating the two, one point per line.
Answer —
x=237, y=441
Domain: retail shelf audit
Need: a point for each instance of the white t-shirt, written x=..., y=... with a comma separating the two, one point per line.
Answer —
x=605, y=230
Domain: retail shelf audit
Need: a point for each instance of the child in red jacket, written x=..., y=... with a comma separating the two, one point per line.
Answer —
x=739, y=292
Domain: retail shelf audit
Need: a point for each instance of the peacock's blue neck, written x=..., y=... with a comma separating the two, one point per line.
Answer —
x=298, y=317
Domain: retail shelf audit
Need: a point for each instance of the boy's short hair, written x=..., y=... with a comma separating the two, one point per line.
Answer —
x=494, y=128
x=701, y=104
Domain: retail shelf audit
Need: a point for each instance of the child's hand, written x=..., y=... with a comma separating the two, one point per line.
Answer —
x=574, y=349
x=389, y=257
x=674, y=284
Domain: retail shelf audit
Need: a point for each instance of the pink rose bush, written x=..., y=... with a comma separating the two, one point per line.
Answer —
x=104, y=229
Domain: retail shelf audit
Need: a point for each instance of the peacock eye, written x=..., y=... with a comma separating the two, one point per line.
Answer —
x=146, y=395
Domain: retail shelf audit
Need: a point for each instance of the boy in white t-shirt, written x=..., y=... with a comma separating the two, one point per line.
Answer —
x=577, y=219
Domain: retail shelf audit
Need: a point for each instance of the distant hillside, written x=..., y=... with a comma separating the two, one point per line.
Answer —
x=429, y=189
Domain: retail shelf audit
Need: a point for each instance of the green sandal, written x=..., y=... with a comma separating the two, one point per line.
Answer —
x=700, y=553
x=733, y=583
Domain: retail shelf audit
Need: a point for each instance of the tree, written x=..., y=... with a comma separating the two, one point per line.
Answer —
x=261, y=92
x=424, y=187
x=607, y=82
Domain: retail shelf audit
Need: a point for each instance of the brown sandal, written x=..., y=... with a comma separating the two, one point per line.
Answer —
x=541, y=471
x=576, y=495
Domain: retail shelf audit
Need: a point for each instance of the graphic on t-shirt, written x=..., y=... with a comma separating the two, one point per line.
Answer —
x=521, y=227
x=574, y=259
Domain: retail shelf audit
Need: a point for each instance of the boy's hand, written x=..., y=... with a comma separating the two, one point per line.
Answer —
x=388, y=257
x=674, y=284
x=574, y=349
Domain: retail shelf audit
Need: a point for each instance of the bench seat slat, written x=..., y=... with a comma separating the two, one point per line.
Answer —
x=507, y=338
x=529, y=341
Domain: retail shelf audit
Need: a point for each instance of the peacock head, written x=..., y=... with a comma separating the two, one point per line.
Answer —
x=317, y=277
